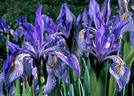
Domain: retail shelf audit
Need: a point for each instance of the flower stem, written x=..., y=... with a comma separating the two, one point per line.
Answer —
x=39, y=80
x=7, y=39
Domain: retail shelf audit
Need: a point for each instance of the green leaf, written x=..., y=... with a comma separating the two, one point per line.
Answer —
x=102, y=82
x=71, y=93
x=130, y=58
x=126, y=45
x=17, y=88
x=93, y=83
x=112, y=86
x=86, y=79
x=79, y=89
x=64, y=89
x=83, y=91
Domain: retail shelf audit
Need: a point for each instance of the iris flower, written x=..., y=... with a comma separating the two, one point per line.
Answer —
x=104, y=41
x=4, y=28
x=66, y=20
x=36, y=49
x=18, y=33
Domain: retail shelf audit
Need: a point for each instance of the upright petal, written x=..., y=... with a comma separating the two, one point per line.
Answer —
x=51, y=28
x=3, y=25
x=28, y=30
x=39, y=24
x=106, y=11
x=66, y=20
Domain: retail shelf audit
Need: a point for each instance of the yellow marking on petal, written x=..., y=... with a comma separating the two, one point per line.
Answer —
x=77, y=52
x=12, y=31
x=54, y=60
x=19, y=29
x=81, y=35
x=42, y=79
x=61, y=53
x=119, y=68
x=124, y=16
x=14, y=63
x=56, y=33
x=120, y=65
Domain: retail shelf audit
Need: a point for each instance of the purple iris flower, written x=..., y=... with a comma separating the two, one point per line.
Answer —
x=66, y=20
x=4, y=29
x=18, y=33
x=35, y=49
x=104, y=40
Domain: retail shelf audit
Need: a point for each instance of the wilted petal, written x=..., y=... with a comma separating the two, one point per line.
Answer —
x=51, y=82
x=120, y=71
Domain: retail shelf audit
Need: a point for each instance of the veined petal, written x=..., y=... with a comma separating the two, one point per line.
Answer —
x=51, y=28
x=120, y=71
x=28, y=30
x=13, y=68
x=39, y=24
x=66, y=20
x=94, y=8
x=12, y=47
x=51, y=82
x=117, y=29
x=106, y=11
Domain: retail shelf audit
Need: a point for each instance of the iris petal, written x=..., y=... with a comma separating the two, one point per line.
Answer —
x=120, y=71
x=51, y=82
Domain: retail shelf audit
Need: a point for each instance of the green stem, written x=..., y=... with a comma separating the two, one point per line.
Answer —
x=7, y=49
x=39, y=80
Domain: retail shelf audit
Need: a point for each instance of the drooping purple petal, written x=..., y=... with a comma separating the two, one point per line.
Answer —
x=120, y=71
x=13, y=68
x=51, y=82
